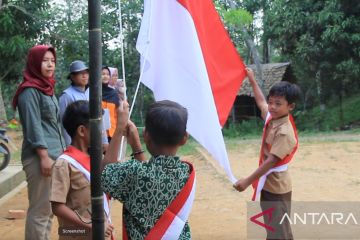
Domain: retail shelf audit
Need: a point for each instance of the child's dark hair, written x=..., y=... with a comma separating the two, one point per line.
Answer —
x=290, y=91
x=76, y=114
x=166, y=123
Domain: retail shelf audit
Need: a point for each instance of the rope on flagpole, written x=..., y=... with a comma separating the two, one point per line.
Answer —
x=121, y=40
x=138, y=84
x=135, y=96
x=142, y=67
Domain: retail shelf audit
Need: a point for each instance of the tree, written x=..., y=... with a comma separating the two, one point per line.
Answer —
x=322, y=40
x=19, y=29
x=67, y=30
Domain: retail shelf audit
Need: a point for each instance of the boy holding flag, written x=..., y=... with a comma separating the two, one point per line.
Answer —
x=271, y=179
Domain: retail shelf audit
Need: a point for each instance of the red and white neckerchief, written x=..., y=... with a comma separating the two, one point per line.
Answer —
x=172, y=221
x=281, y=166
x=81, y=161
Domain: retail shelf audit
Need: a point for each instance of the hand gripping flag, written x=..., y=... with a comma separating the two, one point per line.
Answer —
x=188, y=57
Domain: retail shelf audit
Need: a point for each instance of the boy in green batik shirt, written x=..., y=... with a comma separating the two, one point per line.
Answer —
x=147, y=188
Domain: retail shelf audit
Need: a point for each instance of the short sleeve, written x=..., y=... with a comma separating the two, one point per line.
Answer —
x=116, y=180
x=60, y=182
x=283, y=145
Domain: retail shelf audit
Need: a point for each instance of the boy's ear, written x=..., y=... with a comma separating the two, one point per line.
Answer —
x=80, y=131
x=291, y=106
x=184, y=140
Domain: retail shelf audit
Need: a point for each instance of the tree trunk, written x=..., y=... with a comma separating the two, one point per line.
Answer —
x=266, y=51
x=233, y=116
x=255, y=55
x=319, y=90
x=341, y=110
x=254, y=52
x=2, y=107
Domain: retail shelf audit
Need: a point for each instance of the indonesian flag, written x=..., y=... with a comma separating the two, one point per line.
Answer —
x=188, y=57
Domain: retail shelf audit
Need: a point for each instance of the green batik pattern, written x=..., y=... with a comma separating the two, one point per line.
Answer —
x=146, y=189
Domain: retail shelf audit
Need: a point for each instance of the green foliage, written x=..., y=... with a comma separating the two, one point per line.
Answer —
x=189, y=148
x=238, y=17
x=20, y=28
x=65, y=26
x=244, y=129
x=235, y=20
x=321, y=39
x=329, y=120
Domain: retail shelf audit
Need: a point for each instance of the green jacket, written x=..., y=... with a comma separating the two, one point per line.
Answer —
x=40, y=119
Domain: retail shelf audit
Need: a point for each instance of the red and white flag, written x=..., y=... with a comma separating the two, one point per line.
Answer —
x=188, y=57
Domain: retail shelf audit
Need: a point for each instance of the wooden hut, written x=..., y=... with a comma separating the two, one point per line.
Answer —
x=245, y=106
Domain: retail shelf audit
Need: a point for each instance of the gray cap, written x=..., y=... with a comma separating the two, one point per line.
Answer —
x=77, y=66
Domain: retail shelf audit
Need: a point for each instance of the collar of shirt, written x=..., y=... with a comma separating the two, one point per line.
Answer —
x=78, y=89
x=166, y=161
x=277, y=122
x=78, y=155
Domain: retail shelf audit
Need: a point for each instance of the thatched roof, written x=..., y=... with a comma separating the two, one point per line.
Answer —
x=272, y=73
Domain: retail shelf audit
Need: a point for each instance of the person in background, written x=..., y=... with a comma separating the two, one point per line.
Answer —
x=120, y=86
x=78, y=90
x=42, y=139
x=114, y=75
x=110, y=101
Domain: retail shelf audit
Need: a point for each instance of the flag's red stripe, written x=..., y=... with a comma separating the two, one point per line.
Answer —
x=225, y=68
x=79, y=156
x=174, y=208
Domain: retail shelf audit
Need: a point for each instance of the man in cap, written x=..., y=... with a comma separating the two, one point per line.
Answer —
x=78, y=90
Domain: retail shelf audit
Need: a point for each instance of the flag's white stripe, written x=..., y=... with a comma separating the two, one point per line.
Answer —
x=262, y=179
x=78, y=166
x=177, y=225
x=175, y=70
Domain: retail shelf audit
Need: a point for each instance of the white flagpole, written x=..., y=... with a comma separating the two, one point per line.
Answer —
x=142, y=63
x=121, y=39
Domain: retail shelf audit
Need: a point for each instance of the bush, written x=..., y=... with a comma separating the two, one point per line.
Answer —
x=330, y=119
x=245, y=128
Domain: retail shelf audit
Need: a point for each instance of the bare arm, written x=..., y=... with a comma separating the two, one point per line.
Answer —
x=269, y=163
x=259, y=96
x=134, y=141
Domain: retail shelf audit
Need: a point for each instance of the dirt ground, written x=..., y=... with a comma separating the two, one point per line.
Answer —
x=325, y=169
